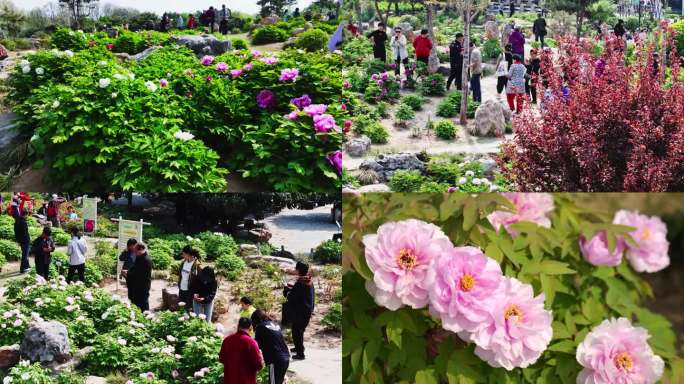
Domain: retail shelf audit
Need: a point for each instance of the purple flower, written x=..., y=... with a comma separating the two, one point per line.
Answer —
x=209, y=78
x=222, y=67
x=346, y=84
x=207, y=60
x=380, y=83
x=452, y=189
x=289, y=74
x=269, y=60
x=324, y=123
x=301, y=102
x=375, y=77
x=256, y=53
x=163, y=83
x=384, y=76
x=248, y=67
x=293, y=116
x=335, y=160
x=235, y=73
x=266, y=99
x=315, y=109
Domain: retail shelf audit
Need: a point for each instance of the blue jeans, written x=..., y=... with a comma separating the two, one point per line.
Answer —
x=475, y=86
x=203, y=309
x=24, y=257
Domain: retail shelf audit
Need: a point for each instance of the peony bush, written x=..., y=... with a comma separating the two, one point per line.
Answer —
x=501, y=288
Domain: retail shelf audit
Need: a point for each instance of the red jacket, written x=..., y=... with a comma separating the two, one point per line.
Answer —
x=423, y=46
x=241, y=359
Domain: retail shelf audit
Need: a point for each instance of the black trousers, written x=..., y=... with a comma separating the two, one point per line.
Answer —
x=501, y=82
x=43, y=266
x=141, y=300
x=398, y=61
x=76, y=268
x=380, y=54
x=425, y=60
x=456, y=74
x=298, y=328
x=277, y=371
x=540, y=38
x=186, y=297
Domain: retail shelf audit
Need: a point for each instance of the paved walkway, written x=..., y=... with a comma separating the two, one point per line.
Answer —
x=321, y=366
x=301, y=230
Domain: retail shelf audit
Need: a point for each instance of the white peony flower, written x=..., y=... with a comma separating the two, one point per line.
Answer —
x=470, y=173
x=114, y=95
x=170, y=338
x=24, y=63
x=154, y=350
x=25, y=376
x=477, y=181
x=151, y=86
x=70, y=300
x=40, y=71
x=26, y=69
x=18, y=322
x=119, y=76
x=104, y=83
x=102, y=63
x=202, y=316
x=7, y=380
x=185, y=136
x=55, y=104
x=121, y=341
x=69, y=53
x=462, y=180
x=192, y=338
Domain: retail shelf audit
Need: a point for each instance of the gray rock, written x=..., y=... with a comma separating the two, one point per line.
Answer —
x=283, y=263
x=203, y=44
x=358, y=146
x=9, y=356
x=247, y=250
x=8, y=123
x=170, y=298
x=405, y=27
x=488, y=167
x=46, y=342
x=298, y=31
x=71, y=364
x=377, y=188
x=489, y=119
x=144, y=54
x=308, y=26
x=95, y=380
x=386, y=165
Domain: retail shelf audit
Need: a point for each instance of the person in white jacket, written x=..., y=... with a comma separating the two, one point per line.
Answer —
x=76, y=250
x=398, y=44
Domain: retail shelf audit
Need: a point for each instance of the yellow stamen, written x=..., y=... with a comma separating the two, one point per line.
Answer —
x=406, y=260
x=623, y=361
x=467, y=282
x=513, y=311
x=645, y=234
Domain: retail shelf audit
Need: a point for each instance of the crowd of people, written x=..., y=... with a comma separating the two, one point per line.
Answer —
x=259, y=340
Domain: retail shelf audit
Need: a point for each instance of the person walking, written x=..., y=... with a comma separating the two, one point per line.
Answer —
x=399, y=52
x=512, y=9
x=300, y=305
x=501, y=74
x=475, y=72
x=139, y=278
x=180, y=23
x=539, y=29
x=517, y=42
x=211, y=18
x=240, y=356
x=187, y=273
x=423, y=46
x=42, y=249
x=203, y=293
x=515, y=90
x=379, y=39
x=619, y=29
x=76, y=250
x=270, y=338
x=191, y=22
x=456, y=62
x=21, y=235
x=534, y=72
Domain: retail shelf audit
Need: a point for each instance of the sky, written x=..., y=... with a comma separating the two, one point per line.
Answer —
x=160, y=6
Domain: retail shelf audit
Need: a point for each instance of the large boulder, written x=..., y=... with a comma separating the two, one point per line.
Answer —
x=46, y=342
x=282, y=263
x=9, y=356
x=489, y=119
x=386, y=165
x=358, y=146
x=144, y=54
x=374, y=188
x=247, y=250
x=170, y=298
x=203, y=44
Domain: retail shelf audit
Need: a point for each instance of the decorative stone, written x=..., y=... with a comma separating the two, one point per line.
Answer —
x=298, y=31
x=489, y=120
x=260, y=235
x=377, y=188
x=170, y=298
x=308, y=26
x=144, y=54
x=386, y=165
x=247, y=250
x=46, y=342
x=283, y=263
x=358, y=146
x=9, y=356
x=488, y=167
x=203, y=44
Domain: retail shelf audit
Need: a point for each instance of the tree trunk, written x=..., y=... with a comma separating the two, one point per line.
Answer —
x=433, y=62
x=466, y=64
x=580, y=21
x=383, y=16
x=357, y=10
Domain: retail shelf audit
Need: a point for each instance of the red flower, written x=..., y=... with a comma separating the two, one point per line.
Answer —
x=347, y=126
x=110, y=46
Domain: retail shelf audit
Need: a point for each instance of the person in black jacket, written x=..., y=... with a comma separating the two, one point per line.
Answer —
x=203, y=289
x=379, y=39
x=300, y=306
x=272, y=344
x=619, y=29
x=539, y=29
x=42, y=249
x=456, y=61
x=139, y=278
x=21, y=235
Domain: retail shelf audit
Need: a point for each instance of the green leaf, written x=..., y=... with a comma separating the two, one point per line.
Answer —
x=426, y=376
x=370, y=352
x=565, y=346
x=552, y=267
x=470, y=215
x=494, y=252
x=394, y=335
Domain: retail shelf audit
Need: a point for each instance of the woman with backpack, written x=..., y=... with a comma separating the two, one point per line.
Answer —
x=204, y=290
x=269, y=336
x=76, y=251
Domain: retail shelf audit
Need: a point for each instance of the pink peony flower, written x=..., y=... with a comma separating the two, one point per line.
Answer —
x=315, y=109
x=235, y=73
x=520, y=328
x=596, y=251
x=293, y=116
x=335, y=160
x=399, y=255
x=617, y=352
x=452, y=189
x=222, y=67
x=163, y=83
x=651, y=252
x=301, y=102
x=269, y=60
x=461, y=281
x=256, y=53
x=248, y=67
x=289, y=74
x=533, y=207
x=346, y=84
x=266, y=99
x=324, y=123
x=207, y=60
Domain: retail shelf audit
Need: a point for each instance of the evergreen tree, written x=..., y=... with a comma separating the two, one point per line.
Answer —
x=274, y=7
x=578, y=7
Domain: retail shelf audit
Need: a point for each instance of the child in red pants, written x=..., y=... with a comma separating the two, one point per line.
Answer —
x=515, y=89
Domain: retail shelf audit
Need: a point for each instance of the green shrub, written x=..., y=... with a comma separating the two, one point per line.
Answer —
x=433, y=85
x=7, y=231
x=679, y=37
x=366, y=125
x=239, y=43
x=445, y=129
x=333, y=318
x=355, y=51
x=329, y=251
x=217, y=244
x=66, y=39
x=312, y=40
x=10, y=250
x=130, y=42
x=404, y=113
x=230, y=266
x=406, y=181
x=105, y=258
x=60, y=237
x=160, y=253
x=268, y=35
x=381, y=109
x=451, y=106
x=491, y=49
x=413, y=101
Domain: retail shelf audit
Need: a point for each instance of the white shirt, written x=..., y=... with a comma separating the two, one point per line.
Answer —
x=185, y=274
x=77, y=250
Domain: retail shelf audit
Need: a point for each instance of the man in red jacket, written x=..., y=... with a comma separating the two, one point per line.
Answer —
x=240, y=356
x=423, y=46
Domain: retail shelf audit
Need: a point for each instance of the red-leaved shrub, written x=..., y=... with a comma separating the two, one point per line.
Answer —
x=621, y=128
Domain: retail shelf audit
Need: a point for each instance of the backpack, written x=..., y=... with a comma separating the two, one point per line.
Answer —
x=52, y=209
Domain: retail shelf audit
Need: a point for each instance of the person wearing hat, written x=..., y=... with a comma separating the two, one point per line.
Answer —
x=300, y=303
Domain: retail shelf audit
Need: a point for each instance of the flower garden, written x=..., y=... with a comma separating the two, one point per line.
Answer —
x=112, y=339
x=173, y=121
x=508, y=288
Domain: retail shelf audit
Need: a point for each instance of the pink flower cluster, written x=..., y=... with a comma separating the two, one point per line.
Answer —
x=648, y=253
x=207, y=60
x=323, y=123
x=532, y=207
x=414, y=263
x=289, y=74
x=618, y=352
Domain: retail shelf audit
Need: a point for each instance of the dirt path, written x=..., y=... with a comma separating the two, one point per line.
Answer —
x=301, y=230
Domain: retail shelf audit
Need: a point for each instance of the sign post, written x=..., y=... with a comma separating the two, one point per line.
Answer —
x=89, y=214
x=128, y=229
